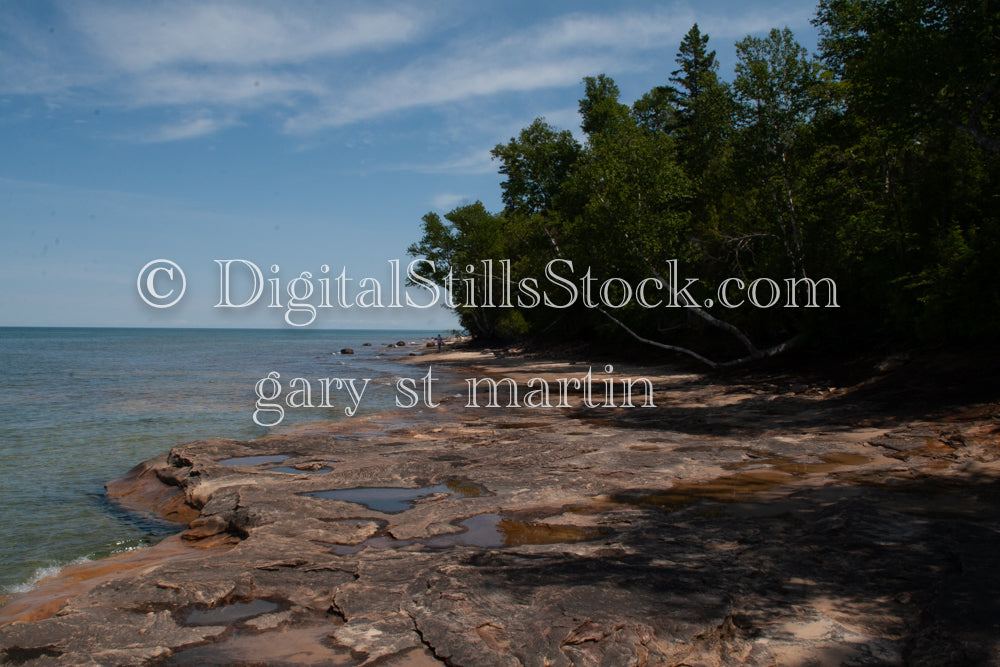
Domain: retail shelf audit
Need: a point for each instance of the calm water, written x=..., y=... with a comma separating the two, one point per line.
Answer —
x=81, y=406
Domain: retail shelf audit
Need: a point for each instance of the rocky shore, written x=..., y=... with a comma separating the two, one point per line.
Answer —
x=762, y=520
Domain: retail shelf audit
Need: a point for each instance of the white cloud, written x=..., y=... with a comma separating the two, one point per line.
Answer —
x=562, y=119
x=664, y=26
x=241, y=90
x=137, y=38
x=193, y=53
x=301, y=60
x=500, y=128
x=556, y=53
x=629, y=30
x=477, y=162
x=197, y=126
x=443, y=81
x=447, y=201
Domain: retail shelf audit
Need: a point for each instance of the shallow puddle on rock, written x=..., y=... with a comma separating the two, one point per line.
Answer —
x=282, y=648
x=254, y=460
x=393, y=499
x=416, y=657
x=347, y=549
x=730, y=488
x=494, y=530
x=230, y=613
x=806, y=468
x=464, y=489
x=830, y=462
x=714, y=448
x=295, y=471
x=485, y=530
x=846, y=458
x=597, y=423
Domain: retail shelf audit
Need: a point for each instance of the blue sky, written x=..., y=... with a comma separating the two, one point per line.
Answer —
x=296, y=134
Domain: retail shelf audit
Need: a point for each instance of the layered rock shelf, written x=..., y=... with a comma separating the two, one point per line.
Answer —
x=750, y=522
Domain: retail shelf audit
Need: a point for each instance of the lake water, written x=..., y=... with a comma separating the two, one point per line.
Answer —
x=82, y=406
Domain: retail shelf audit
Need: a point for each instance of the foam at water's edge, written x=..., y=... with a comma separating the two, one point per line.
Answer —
x=41, y=574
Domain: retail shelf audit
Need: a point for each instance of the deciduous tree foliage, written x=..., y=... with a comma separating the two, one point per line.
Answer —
x=874, y=163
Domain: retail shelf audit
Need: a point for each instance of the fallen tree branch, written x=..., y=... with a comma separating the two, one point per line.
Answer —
x=754, y=355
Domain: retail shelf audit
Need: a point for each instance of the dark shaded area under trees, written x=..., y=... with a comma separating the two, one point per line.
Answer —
x=874, y=163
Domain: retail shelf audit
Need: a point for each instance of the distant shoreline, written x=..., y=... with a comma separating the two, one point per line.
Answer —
x=279, y=328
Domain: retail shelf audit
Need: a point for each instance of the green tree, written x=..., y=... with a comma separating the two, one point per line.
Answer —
x=779, y=90
x=535, y=165
x=635, y=197
x=876, y=166
x=916, y=64
x=921, y=84
x=705, y=104
x=696, y=106
x=599, y=107
x=656, y=111
x=698, y=112
x=458, y=249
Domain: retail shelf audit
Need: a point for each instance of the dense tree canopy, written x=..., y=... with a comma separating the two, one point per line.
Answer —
x=873, y=163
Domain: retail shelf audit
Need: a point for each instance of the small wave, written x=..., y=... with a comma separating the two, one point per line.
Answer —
x=43, y=573
x=46, y=571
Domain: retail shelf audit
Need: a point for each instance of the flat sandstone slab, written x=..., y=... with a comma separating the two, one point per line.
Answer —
x=729, y=525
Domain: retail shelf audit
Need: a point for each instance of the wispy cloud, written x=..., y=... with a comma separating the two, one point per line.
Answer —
x=138, y=38
x=190, y=128
x=446, y=80
x=302, y=62
x=665, y=25
x=236, y=57
x=238, y=90
x=562, y=119
x=447, y=201
x=477, y=162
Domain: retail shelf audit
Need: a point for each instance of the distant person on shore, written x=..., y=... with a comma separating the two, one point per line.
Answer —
x=440, y=342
